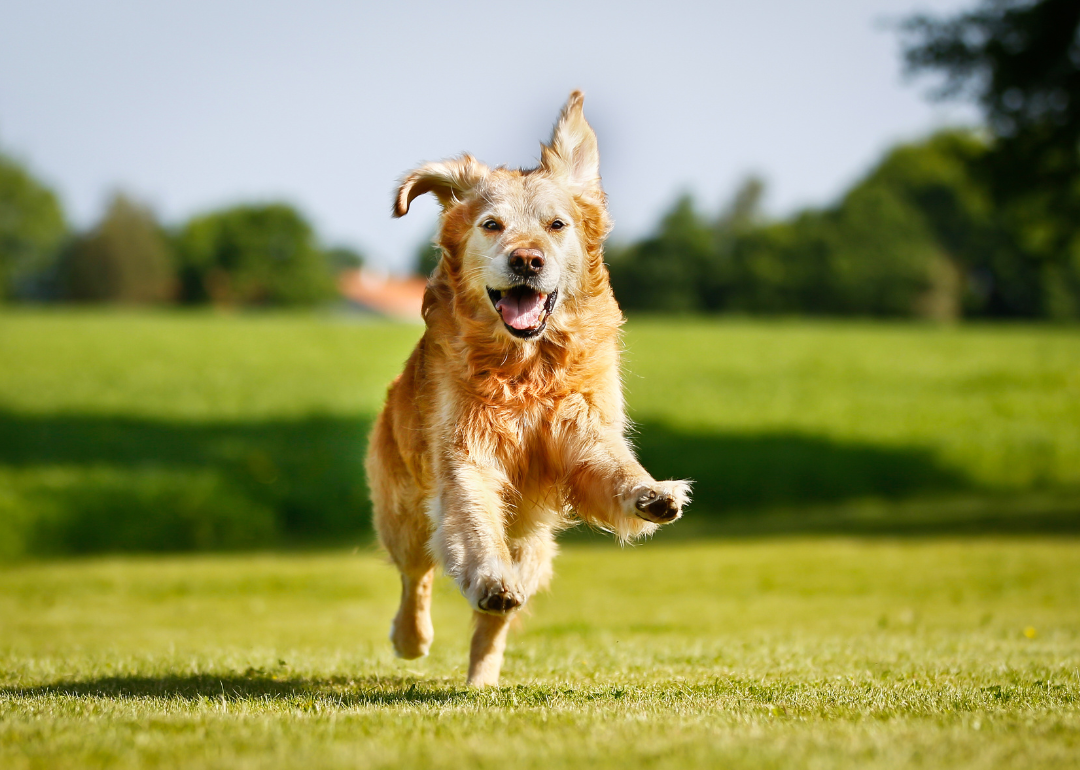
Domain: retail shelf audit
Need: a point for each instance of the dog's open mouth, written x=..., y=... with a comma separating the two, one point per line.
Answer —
x=524, y=311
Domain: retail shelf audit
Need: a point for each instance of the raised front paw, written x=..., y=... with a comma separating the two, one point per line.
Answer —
x=661, y=501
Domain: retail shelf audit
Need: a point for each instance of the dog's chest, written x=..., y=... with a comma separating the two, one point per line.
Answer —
x=535, y=428
x=536, y=497
x=536, y=455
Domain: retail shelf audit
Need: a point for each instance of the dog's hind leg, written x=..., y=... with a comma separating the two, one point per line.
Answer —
x=486, y=651
x=406, y=540
x=405, y=536
x=411, y=631
x=404, y=529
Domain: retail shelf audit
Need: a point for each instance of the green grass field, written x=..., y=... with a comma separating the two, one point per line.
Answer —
x=818, y=652
x=881, y=567
x=249, y=430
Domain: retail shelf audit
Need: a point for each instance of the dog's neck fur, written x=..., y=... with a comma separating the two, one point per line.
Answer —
x=500, y=370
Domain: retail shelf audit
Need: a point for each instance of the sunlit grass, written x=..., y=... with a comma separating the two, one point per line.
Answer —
x=135, y=431
x=248, y=430
x=998, y=404
x=784, y=653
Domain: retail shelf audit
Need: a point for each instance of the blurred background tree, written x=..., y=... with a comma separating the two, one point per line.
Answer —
x=982, y=224
x=428, y=254
x=868, y=256
x=32, y=230
x=963, y=223
x=662, y=273
x=1020, y=61
x=342, y=258
x=901, y=242
x=126, y=258
x=253, y=255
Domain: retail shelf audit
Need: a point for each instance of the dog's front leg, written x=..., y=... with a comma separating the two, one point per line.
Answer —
x=486, y=649
x=610, y=488
x=471, y=537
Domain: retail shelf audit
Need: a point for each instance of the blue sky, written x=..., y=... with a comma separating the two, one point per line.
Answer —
x=194, y=105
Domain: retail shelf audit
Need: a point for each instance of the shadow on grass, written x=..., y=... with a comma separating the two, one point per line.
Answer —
x=765, y=470
x=786, y=483
x=336, y=692
x=91, y=483
x=320, y=693
x=100, y=483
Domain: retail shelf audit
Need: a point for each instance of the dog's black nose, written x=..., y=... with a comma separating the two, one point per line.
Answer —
x=526, y=262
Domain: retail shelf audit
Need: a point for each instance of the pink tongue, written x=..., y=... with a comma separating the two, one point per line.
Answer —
x=522, y=311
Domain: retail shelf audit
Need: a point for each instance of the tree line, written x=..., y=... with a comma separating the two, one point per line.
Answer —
x=253, y=254
x=921, y=235
x=963, y=224
x=979, y=223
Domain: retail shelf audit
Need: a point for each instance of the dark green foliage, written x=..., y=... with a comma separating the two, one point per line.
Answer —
x=875, y=253
x=869, y=257
x=32, y=229
x=1021, y=62
x=1018, y=59
x=126, y=259
x=241, y=256
x=663, y=273
x=344, y=258
x=878, y=252
x=922, y=234
x=690, y=264
x=252, y=255
x=428, y=254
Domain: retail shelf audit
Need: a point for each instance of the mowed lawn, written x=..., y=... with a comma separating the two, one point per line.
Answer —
x=881, y=567
x=249, y=430
x=818, y=652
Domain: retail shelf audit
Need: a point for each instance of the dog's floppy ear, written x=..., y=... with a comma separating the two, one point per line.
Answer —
x=573, y=151
x=447, y=180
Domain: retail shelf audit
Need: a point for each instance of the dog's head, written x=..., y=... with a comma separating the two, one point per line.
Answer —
x=520, y=247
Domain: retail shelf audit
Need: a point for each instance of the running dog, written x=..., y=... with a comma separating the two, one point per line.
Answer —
x=508, y=422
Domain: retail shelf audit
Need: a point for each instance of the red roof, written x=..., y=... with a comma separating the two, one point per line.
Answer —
x=384, y=294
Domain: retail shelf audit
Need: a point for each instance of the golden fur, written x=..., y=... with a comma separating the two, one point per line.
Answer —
x=489, y=443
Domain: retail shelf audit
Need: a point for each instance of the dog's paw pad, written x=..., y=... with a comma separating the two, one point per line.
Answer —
x=663, y=503
x=501, y=601
x=659, y=507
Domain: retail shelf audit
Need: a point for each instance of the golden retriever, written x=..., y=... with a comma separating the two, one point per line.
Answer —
x=508, y=420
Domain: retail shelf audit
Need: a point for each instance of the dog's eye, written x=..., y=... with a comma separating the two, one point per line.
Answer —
x=558, y=224
x=491, y=226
